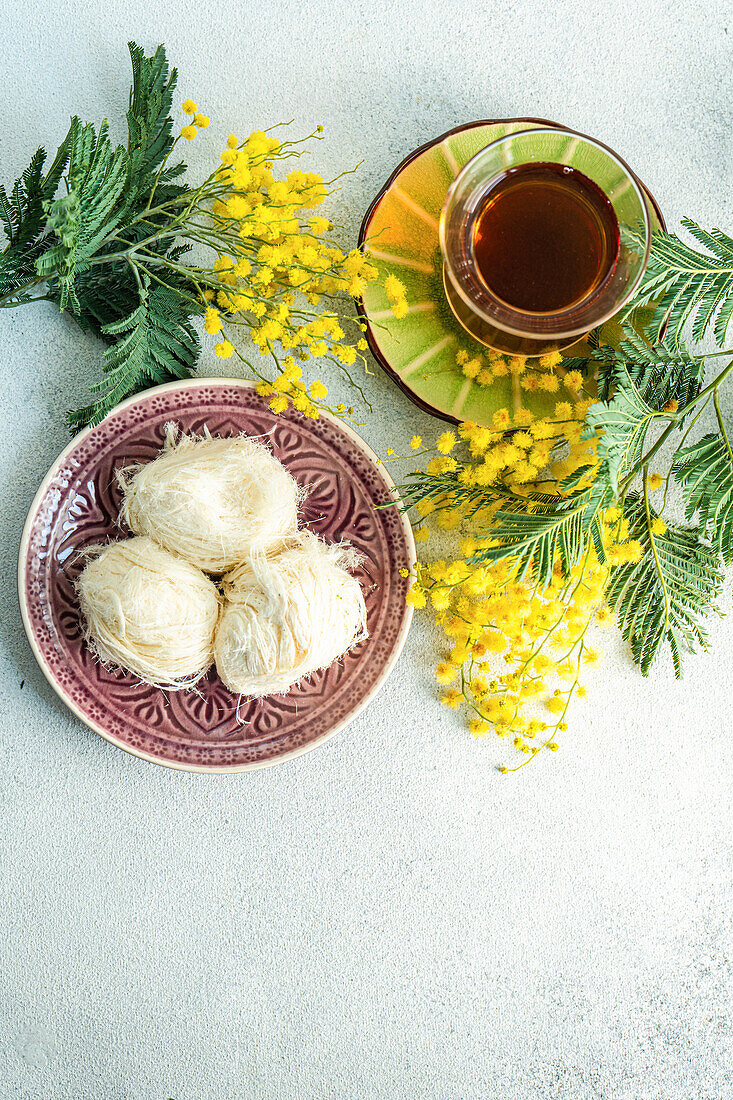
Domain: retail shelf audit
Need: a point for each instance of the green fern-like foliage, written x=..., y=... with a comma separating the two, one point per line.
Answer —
x=663, y=597
x=660, y=372
x=646, y=384
x=556, y=531
x=23, y=220
x=75, y=241
x=88, y=214
x=154, y=344
x=623, y=424
x=688, y=286
x=149, y=122
x=705, y=472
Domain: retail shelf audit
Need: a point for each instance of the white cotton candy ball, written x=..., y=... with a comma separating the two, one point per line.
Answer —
x=215, y=502
x=149, y=612
x=288, y=616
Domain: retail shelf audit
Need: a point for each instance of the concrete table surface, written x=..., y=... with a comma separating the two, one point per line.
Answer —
x=385, y=917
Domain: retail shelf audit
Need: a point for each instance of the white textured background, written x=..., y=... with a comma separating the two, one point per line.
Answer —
x=385, y=917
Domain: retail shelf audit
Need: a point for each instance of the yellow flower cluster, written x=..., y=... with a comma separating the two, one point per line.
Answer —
x=518, y=648
x=538, y=374
x=278, y=272
x=518, y=451
x=396, y=295
x=198, y=121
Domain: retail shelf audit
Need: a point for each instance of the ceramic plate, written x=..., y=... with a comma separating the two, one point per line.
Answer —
x=401, y=230
x=210, y=729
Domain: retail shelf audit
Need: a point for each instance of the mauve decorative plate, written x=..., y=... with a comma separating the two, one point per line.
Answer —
x=211, y=730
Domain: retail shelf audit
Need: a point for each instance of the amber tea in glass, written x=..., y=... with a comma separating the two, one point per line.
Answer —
x=531, y=237
x=546, y=237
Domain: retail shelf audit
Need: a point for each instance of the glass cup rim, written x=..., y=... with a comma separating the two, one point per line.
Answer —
x=581, y=330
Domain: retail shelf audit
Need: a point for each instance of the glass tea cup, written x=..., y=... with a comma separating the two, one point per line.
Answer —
x=497, y=323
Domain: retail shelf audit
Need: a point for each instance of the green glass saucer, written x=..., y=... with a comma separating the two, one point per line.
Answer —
x=400, y=229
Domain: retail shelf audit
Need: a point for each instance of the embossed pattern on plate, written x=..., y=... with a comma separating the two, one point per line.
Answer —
x=211, y=730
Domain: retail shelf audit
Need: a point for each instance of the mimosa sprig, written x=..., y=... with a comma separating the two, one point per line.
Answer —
x=549, y=551
x=134, y=252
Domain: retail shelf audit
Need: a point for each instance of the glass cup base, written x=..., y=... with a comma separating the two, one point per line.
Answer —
x=497, y=339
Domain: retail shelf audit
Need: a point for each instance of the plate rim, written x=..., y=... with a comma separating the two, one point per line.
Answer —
x=375, y=350
x=167, y=387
